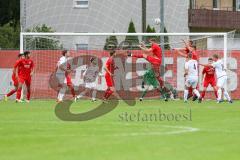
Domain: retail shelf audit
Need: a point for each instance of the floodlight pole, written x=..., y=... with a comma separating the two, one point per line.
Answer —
x=162, y=37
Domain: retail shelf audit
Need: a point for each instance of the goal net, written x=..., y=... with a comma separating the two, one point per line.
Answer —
x=46, y=50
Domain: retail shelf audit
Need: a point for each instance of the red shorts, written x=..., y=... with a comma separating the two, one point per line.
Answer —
x=154, y=60
x=109, y=80
x=15, y=81
x=211, y=82
x=26, y=80
x=69, y=80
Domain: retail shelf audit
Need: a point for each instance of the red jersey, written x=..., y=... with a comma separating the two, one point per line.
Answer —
x=68, y=68
x=157, y=51
x=17, y=61
x=195, y=55
x=187, y=50
x=25, y=67
x=110, y=65
x=209, y=73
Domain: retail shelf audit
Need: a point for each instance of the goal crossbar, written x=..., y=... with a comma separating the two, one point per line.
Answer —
x=122, y=34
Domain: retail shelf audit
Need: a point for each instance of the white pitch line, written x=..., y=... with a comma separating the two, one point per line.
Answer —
x=183, y=129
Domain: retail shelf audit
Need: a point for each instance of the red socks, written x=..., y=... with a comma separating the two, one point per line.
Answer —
x=11, y=92
x=203, y=94
x=72, y=90
x=108, y=93
x=216, y=94
x=19, y=90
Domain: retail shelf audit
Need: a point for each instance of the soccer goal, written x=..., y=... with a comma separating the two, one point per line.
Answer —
x=46, y=50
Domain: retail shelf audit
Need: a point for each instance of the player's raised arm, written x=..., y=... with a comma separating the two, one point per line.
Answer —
x=188, y=44
x=181, y=53
x=145, y=49
x=206, y=65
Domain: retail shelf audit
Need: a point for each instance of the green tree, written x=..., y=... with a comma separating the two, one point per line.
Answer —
x=111, y=43
x=133, y=41
x=10, y=13
x=9, y=24
x=166, y=40
x=42, y=42
x=9, y=37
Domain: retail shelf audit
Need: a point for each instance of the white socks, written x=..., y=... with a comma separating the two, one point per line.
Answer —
x=185, y=95
x=219, y=94
x=94, y=94
x=227, y=95
x=196, y=92
x=61, y=93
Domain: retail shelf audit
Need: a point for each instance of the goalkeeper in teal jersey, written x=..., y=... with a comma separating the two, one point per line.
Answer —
x=149, y=79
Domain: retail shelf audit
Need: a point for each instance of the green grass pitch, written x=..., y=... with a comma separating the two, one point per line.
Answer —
x=32, y=131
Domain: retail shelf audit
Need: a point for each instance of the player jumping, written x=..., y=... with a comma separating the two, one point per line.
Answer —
x=64, y=75
x=221, y=78
x=14, y=79
x=208, y=78
x=23, y=70
x=155, y=60
x=191, y=74
x=90, y=76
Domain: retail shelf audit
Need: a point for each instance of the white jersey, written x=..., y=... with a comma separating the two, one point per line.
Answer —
x=91, y=74
x=192, y=67
x=219, y=68
x=62, y=61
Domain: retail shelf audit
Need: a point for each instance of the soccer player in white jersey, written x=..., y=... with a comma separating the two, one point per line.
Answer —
x=221, y=78
x=90, y=77
x=63, y=75
x=191, y=74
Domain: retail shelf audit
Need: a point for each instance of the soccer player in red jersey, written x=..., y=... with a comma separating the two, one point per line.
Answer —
x=209, y=78
x=14, y=79
x=155, y=59
x=188, y=46
x=110, y=68
x=192, y=50
x=24, y=71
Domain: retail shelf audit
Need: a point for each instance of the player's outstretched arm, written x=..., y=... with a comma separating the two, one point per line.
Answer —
x=181, y=53
x=145, y=49
x=205, y=65
x=187, y=45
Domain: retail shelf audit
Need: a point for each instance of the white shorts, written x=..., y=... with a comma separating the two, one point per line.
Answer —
x=61, y=78
x=221, y=82
x=191, y=82
x=91, y=85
